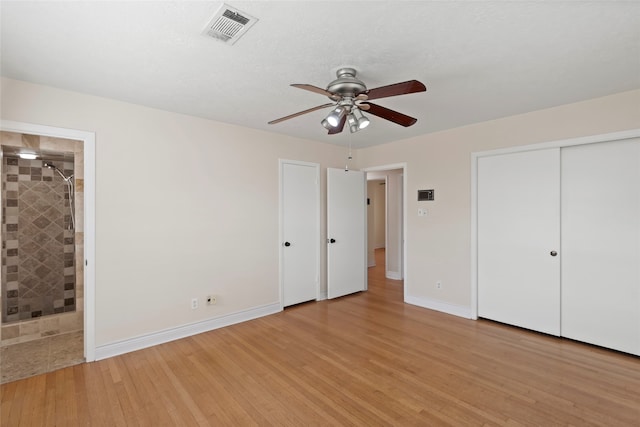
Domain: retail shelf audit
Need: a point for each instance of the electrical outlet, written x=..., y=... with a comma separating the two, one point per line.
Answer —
x=194, y=303
x=212, y=300
x=438, y=284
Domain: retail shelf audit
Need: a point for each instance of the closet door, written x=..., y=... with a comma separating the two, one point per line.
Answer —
x=601, y=244
x=518, y=235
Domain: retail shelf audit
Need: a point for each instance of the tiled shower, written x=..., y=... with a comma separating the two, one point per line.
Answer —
x=38, y=238
x=42, y=238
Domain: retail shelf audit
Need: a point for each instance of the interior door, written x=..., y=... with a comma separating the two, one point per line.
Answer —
x=601, y=244
x=300, y=232
x=519, y=239
x=346, y=232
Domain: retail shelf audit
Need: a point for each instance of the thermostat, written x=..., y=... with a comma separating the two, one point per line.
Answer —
x=425, y=195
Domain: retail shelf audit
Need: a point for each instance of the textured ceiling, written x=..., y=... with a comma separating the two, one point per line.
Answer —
x=480, y=60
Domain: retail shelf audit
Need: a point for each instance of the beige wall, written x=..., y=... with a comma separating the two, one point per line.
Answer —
x=185, y=207
x=438, y=245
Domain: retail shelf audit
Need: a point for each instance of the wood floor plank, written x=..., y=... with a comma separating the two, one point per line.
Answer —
x=364, y=360
x=7, y=402
x=267, y=378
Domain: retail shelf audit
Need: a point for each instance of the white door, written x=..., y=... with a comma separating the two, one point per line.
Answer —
x=601, y=244
x=346, y=232
x=518, y=235
x=300, y=231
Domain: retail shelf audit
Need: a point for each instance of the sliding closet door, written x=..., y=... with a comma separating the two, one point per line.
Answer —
x=518, y=239
x=601, y=244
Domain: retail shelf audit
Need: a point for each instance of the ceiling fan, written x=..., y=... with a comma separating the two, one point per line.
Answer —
x=350, y=97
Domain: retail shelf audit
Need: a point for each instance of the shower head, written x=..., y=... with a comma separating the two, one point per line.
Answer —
x=57, y=169
x=69, y=182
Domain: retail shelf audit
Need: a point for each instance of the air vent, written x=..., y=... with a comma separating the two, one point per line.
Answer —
x=229, y=24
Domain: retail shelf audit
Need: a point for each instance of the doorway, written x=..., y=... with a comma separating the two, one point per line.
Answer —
x=389, y=182
x=385, y=213
x=85, y=254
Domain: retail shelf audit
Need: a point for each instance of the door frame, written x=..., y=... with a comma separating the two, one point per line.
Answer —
x=385, y=183
x=592, y=139
x=316, y=166
x=403, y=247
x=89, y=157
x=386, y=228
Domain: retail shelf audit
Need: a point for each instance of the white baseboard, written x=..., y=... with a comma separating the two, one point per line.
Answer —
x=444, y=307
x=394, y=275
x=161, y=337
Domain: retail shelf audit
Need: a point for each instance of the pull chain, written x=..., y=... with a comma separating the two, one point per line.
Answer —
x=349, y=156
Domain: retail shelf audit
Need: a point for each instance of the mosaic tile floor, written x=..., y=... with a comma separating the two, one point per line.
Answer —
x=40, y=356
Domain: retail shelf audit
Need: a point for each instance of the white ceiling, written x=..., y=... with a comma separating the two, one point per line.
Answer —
x=480, y=60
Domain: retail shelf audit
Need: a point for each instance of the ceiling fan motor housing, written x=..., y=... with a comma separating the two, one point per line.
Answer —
x=346, y=85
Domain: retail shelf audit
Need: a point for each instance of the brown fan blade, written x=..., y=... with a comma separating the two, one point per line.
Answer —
x=282, y=119
x=316, y=89
x=403, y=88
x=340, y=126
x=393, y=116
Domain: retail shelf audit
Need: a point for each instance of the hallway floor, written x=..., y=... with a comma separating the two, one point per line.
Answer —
x=377, y=273
x=47, y=354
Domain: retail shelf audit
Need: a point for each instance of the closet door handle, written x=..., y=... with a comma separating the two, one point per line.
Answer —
x=553, y=253
x=287, y=244
x=332, y=240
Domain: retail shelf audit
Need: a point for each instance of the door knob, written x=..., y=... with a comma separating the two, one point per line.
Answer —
x=553, y=253
x=332, y=240
x=287, y=244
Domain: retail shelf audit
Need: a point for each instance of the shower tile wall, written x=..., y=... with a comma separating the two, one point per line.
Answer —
x=38, y=247
x=38, y=328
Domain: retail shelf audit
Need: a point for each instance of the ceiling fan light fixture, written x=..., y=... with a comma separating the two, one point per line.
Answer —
x=326, y=124
x=353, y=123
x=335, y=116
x=360, y=119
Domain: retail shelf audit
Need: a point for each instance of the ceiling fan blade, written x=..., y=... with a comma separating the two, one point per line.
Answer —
x=291, y=116
x=316, y=89
x=403, y=88
x=393, y=116
x=340, y=126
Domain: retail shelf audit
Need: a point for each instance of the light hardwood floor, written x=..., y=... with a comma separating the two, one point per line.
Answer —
x=366, y=359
